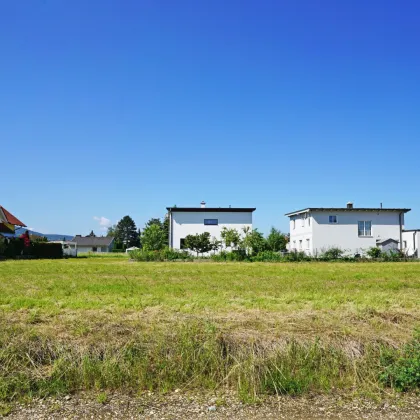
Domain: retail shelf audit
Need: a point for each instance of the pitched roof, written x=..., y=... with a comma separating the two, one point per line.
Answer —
x=9, y=218
x=383, y=241
x=345, y=209
x=93, y=240
x=212, y=209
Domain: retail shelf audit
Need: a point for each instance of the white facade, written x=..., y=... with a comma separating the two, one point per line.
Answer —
x=411, y=242
x=184, y=221
x=314, y=230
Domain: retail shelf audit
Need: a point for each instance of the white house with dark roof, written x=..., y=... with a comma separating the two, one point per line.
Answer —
x=93, y=243
x=184, y=221
x=355, y=230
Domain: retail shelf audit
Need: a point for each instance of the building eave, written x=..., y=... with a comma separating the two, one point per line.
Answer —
x=212, y=209
x=345, y=209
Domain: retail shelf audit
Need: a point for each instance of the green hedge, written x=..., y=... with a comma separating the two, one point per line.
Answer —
x=46, y=250
x=15, y=247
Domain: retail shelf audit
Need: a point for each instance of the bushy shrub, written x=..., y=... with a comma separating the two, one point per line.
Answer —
x=296, y=257
x=392, y=255
x=269, y=256
x=401, y=370
x=237, y=255
x=174, y=254
x=374, y=252
x=333, y=253
x=165, y=254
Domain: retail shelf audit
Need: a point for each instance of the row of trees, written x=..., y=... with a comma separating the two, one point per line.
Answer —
x=153, y=237
x=249, y=241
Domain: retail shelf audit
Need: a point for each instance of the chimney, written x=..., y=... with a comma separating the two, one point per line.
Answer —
x=203, y=204
x=349, y=205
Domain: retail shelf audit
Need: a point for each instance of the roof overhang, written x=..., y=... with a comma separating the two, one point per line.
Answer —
x=212, y=209
x=8, y=217
x=345, y=209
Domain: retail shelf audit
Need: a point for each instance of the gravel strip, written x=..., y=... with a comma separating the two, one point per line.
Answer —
x=181, y=406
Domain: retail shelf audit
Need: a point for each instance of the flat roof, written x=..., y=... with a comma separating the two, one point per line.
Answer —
x=345, y=209
x=212, y=209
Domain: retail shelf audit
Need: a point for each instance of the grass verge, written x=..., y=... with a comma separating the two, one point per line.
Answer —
x=197, y=356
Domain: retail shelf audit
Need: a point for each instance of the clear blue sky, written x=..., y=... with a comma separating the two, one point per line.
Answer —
x=110, y=108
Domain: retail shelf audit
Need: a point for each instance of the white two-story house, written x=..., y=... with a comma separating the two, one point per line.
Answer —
x=354, y=230
x=184, y=221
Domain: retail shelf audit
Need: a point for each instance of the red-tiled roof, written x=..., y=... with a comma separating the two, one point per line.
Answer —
x=10, y=218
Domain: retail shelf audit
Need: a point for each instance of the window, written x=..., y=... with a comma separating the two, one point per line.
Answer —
x=405, y=244
x=293, y=223
x=309, y=220
x=307, y=244
x=94, y=249
x=332, y=219
x=365, y=228
x=300, y=244
x=303, y=220
x=182, y=243
x=211, y=221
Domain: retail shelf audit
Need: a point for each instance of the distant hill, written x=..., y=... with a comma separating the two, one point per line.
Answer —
x=49, y=236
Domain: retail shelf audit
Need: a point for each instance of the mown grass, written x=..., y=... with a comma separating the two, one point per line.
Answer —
x=104, y=324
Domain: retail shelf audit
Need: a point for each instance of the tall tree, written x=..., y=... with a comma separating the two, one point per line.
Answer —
x=126, y=232
x=165, y=226
x=153, y=221
x=153, y=238
x=162, y=225
x=254, y=242
x=276, y=241
x=111, y=230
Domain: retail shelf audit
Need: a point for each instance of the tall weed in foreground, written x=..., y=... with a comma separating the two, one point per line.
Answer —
x=194, y=355
x=401, y=370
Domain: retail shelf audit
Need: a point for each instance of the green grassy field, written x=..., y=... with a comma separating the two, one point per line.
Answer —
x=106, y=323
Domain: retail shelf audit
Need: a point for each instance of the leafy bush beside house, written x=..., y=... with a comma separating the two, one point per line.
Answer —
x=374, y=252
x=165, y=254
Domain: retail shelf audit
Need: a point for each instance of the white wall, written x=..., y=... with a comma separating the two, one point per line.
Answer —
x=344, y=234
x=301, y=233
x=191, y=223
x=89, y=249
x=411, y=242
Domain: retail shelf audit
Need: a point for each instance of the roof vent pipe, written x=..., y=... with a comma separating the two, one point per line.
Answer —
x=349, y=205
x=203, y=204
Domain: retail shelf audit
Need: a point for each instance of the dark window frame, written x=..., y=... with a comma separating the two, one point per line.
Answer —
x=209, y=222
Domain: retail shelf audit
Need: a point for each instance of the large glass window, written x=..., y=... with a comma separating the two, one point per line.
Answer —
x=332, y=219
x=211, y=221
